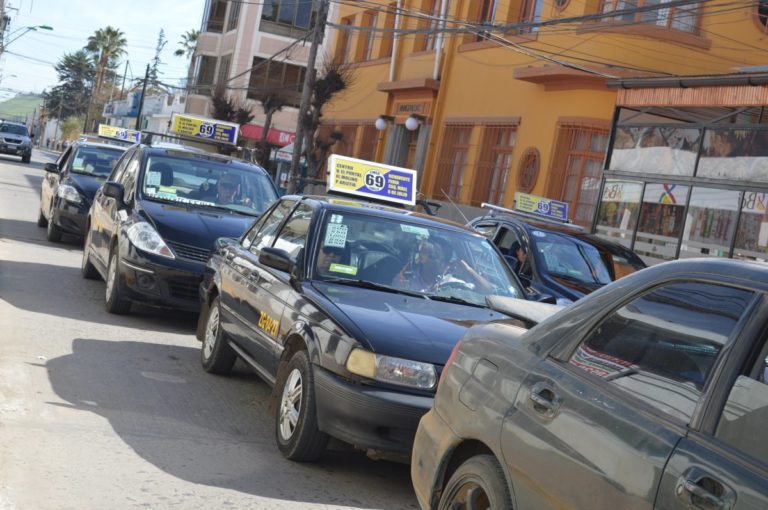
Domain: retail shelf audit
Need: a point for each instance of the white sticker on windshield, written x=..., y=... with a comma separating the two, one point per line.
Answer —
x=151, y=190
x=336, y=218
x=77, y=163
x=153, y=179
x=411, y=229
x=539, y=233
x=336, y=235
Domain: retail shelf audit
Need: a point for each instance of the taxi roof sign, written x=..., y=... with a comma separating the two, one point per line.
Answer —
x=367, y=179
x=204, y=128
x=546, y=207
x=118, y=133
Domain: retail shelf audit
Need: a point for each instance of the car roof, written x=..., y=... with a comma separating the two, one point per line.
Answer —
x=15, y=123
x=356, y=205
x=83, y=143
x=180, y=150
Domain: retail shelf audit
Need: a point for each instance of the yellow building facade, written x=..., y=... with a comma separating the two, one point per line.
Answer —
x=512, y=95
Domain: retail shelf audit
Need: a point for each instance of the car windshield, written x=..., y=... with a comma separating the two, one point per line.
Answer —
x=419, y=259
x=208, y=183
x=96, y=161
x=14, y=129
x=565, y=257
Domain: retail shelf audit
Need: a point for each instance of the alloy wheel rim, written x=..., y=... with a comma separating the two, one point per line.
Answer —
x=290, y=404
x=112, y=276
x=211, y=331
x=470, y=496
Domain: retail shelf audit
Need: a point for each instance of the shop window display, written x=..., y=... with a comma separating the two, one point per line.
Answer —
x=710, y=223
x=619, y=209
x=752, y=234
x=661, y=222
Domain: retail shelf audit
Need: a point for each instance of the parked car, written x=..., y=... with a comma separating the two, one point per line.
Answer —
x=153, y=224
x=555, y=258
x=337, y=303
x=15, y=140
x=651, y=392
x=70, y=184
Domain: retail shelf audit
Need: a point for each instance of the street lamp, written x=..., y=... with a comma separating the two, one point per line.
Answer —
x=26, y=30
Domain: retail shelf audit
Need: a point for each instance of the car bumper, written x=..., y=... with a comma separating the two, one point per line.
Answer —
x=367, y=417
x=70, y=217
x=156, y=283
x=15, y=150
x=434, y=439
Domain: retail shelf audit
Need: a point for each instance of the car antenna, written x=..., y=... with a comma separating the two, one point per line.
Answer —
x=454, y=205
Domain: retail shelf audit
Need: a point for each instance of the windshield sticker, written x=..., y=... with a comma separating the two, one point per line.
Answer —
x=153, y=179
x=77, y=163
x=539, y=233
x=168, y=189
x=336, y=235
x=151, y=190
x=342, y=268
x=336, y=218
x=411, y=229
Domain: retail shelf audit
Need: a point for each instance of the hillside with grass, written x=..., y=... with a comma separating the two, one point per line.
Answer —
x=20, y=107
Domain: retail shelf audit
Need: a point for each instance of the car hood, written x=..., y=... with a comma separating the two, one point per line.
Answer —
x=403, y=326
x=194, y=226
x=87, y=185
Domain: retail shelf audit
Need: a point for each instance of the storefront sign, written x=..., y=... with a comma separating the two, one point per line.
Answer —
x=543, y=206
x=208, y=129
x=274, y=136
x=373, y=180
x=119, y=133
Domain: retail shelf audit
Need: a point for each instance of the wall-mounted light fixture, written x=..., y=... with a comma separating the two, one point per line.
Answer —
x=383, y=121
x=413, y=121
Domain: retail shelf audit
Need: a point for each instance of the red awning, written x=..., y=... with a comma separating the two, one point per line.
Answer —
x=274, y=136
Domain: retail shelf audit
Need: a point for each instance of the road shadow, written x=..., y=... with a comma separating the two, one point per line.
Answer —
x=63, y=292
x=211, y=430
x=27, y=231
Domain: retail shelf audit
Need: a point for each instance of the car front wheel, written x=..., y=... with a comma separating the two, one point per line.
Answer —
x=41, y=221
x=298, y=436
x=52, y=233
x=115, y=303
x=479, y=484
x=216, y=355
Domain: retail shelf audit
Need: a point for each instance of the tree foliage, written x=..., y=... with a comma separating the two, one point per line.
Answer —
x=106, y=45
x=70, y=128
x=187, y=44
x=77, y=72
x=272, y=101
x=223, y=107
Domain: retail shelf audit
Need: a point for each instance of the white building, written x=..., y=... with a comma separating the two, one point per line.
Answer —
x=156, y=113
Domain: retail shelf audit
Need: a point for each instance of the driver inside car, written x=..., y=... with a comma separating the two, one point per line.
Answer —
x=228, y=191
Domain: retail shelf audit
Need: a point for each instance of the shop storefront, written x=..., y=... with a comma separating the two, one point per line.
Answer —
x=686, y=172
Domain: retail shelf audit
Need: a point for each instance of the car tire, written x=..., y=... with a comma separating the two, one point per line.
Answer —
x=52, y=232
x=114, y=302
x=296, y=432
x=87, y=269
x=216, y=355
x=41, y=221
x=479, y=480
x=26, y=159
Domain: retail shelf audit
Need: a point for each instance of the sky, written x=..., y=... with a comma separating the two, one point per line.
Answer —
x=73, y=21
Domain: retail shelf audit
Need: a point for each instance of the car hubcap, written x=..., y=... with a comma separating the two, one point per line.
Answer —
x=290, y=405
x=112, y=275
x=211, y=330
x=470, y=496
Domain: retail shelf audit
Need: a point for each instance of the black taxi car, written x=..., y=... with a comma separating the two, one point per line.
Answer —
x=554, y=258
x=153, y=224
x=70, y=184
x=650, y=393
x=349, y=310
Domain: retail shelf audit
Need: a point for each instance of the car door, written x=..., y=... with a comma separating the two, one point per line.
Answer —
x=240, y=275
x=51, y=182
x=724, y=465
x=595, y=427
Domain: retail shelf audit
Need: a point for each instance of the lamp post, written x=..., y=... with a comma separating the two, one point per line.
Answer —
x=25, y=30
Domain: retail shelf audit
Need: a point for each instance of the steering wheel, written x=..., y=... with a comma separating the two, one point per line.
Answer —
x=459, y=285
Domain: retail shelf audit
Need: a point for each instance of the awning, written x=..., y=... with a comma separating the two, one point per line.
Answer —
x=274, y=136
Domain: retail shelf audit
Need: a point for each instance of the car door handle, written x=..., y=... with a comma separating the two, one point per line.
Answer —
x=545, y=400
x=706, y=499
x=700, y=490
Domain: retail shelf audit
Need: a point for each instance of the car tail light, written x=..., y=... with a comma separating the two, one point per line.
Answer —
x=448, y=363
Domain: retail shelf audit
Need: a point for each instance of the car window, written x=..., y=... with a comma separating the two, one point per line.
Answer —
x=117, y=173
x=251, y=234
x=267, y=231
x=128, y=178
x=14, y=129
x=485, y=229
x=565, y=257
x=63, y=158
x=662, y=346
x=745, y=416
x=96, y=161
x=293, y=236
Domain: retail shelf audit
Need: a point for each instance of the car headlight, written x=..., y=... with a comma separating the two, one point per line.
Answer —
x=69, y=194
x=146, y=238
x=403, y=372
x=561, y=301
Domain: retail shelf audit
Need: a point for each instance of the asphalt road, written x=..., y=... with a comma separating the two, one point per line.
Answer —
x=109, y=412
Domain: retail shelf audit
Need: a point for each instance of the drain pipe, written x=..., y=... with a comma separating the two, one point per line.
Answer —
x=439, y=42
x=394, y=41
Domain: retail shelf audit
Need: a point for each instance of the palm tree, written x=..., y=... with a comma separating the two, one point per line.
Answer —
x=187, y=43
x=109, y=44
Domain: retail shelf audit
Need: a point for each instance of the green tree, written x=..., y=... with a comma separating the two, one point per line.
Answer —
x=272, y=101
x=70, y=97
x=188, y=43
x=154, y=68
x=70, y=128
x=107, y=45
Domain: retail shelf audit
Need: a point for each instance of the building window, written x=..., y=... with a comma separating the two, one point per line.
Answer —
x=661, y=221
x=682, y=17
x=234, y=15
x=493, y=165
x=213, y=19
x=762, y=15
x=710, y=223
x=619, y=210
x=291, y=18
x=387, y=39
x=344, y=43
x=270, y=75
x=433, y=25
x=453, y=162
x=369, y=138
x=486, y=15
x=530, y=13
x=206, y=74
x=577, y=169
x=367, y=37
x=224, y=65
x=752, y=234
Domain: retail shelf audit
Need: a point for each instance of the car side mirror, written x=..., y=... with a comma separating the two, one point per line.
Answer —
x=276, y=259
x=52, y=168
x=114, y=190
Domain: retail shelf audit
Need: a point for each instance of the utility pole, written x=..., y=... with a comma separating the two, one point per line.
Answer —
x=306, y=94
x=122, y=87
x=141, y=99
